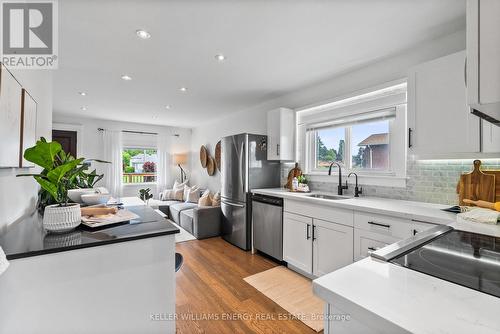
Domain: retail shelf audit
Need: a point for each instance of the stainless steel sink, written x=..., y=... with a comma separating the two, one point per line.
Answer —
x=329, y=197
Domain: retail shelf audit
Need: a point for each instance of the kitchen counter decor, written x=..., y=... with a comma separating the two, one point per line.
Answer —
x=61, y=172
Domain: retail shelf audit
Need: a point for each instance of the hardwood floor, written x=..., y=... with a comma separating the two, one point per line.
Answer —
x=212, y=296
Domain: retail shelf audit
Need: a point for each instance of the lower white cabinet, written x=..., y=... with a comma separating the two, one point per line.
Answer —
x=332, y=246
x=314, y=246
x=366, y=242
x=297, y=241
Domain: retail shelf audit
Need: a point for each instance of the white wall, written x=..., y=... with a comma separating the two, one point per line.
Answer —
x=255, y=120
x=18, y=195
x=91, y=144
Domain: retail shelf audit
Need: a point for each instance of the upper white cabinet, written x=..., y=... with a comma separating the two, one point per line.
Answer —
x=281, y=134
x=491, y=138
x=439, y=120
x=483, y=56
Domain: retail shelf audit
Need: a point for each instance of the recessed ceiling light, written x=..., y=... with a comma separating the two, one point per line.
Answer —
x=183, y=89
x=82, y=93
x=143, y=34
x=84, y=108
x=220, y=57
x=126, y=77
x=168, y=106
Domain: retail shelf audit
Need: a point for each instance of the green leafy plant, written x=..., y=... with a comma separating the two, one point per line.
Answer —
x=145, y=195
x=302, y=179
x=60, y=172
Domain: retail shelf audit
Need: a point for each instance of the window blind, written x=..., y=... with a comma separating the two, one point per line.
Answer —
x=370, y=116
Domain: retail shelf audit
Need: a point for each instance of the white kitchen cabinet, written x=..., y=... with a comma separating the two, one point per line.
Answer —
x=483, y=56
x=439, y=119
x=332, y=246
x=366, y=242
x=297, y=241
x=491, y=137
x=281, y=134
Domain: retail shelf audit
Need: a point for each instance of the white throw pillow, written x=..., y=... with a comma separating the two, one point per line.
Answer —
x=167, y=194
x=193, y=196
x=177, y=194
x=187, y=190
x=178, y=185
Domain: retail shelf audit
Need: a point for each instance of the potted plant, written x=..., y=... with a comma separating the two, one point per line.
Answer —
x=60, y=172
x=145, y=195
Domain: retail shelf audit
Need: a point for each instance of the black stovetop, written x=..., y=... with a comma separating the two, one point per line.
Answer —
x=469, y=259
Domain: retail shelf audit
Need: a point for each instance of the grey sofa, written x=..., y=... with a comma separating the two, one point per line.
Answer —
x=202, y=222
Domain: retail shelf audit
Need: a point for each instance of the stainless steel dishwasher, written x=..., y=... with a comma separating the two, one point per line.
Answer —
x=267, y=218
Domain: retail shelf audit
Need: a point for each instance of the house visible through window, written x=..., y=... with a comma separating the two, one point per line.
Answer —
x=139, y=165
x=368, y=144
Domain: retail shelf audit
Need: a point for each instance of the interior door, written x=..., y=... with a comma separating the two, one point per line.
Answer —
x=297, y=241
x=233, y=168
x=332, y=246
x=67, y=139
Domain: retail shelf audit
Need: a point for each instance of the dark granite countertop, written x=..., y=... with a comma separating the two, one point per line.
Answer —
x=26, y=237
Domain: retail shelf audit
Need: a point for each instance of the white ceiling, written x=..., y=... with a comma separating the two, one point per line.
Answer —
x=272, y=48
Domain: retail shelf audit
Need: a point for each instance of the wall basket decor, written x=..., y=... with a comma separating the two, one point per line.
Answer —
x=217, y=155
x=203, y=156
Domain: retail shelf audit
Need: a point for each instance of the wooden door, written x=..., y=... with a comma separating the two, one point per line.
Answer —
x=67, y=139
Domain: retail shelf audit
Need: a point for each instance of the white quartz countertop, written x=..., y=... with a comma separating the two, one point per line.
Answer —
x=419, y=211
x=413, y=301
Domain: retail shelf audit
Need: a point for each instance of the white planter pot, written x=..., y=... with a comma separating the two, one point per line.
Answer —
x=62, y=218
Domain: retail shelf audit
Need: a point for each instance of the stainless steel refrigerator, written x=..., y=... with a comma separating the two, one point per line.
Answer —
x=244, y=166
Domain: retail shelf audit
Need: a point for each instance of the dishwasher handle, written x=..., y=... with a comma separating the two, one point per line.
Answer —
x=268, y=200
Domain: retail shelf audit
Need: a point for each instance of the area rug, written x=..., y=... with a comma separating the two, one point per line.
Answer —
x=183, y=235
x=292, y=292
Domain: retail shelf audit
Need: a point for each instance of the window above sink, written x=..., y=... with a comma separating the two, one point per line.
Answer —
x=365, y=133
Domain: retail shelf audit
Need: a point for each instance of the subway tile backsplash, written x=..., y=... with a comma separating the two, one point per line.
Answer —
x=432, y=181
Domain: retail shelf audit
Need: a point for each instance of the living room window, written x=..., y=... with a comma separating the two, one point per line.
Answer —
x=364, y=133
x=139, y=165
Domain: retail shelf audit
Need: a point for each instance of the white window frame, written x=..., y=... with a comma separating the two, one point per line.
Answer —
x=389, y=95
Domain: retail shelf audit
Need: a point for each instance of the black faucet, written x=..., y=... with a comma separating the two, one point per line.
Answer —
x=357, y=190
x=340, y=187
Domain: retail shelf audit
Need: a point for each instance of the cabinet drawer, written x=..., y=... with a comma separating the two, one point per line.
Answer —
x=366, y=242
x=298, y=218
x=381, y=224
x=324, y=212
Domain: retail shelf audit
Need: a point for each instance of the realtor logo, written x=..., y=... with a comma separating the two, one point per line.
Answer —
x=29, y=34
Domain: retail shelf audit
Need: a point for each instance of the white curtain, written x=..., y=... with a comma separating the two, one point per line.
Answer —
x=113, y=175
x=164, y=168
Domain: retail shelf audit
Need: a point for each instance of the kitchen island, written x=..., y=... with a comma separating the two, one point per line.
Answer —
x=365, y=295
x=116, y=279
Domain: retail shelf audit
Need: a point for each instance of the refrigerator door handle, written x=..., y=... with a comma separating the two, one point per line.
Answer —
x=233, y=204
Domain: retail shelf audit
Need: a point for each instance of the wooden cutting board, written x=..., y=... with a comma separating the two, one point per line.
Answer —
x=477, y=185
x=497, y=182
